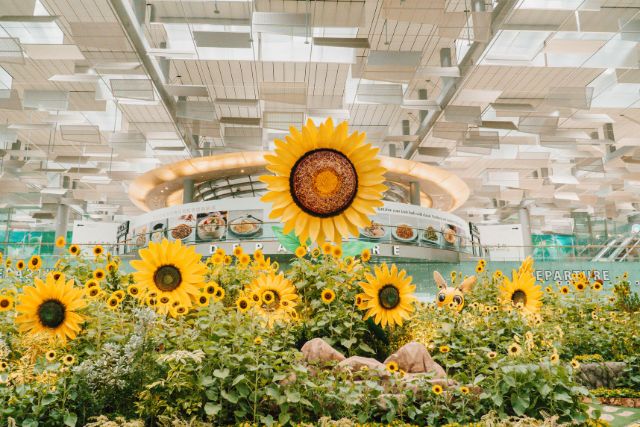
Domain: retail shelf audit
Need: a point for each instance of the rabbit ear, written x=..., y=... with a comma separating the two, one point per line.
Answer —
x=442, y=284
x=467, y=284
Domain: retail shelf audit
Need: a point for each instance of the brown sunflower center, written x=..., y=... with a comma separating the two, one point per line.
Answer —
x=389, y=297
x=243, y=304
x=34, y=261
x=323, y=182
x=4, y=303
x=519, y=297
x=51, y=313
x=167, y=278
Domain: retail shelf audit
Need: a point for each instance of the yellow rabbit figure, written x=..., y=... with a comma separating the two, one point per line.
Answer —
x=452, y=296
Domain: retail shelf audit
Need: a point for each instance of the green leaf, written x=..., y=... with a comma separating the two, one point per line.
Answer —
x=347, y=343
x=212, y=409
x=292, y=396
x=70, y=419
x=364, y=347
x=231, y=397
x=221, y=373
x=238, y=379
x=289, y=241
x=284, y=418
x=544, y=389
x=520, y=403
x=356, y=247
x=563, y=397
x=206, y=381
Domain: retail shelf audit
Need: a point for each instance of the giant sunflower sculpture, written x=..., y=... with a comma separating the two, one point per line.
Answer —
x=50, y=307
x=169, y=269
x=276, y=297
x=521, y=291
x=388, y=296
x=326, y=182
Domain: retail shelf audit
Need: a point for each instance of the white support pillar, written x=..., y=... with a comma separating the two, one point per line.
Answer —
x=525, y=223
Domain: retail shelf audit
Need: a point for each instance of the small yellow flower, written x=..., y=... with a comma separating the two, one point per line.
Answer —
x=113, y=302
x=237, y=251
x=464, y=390
x=218, y=295
x=99, y=274
x=392, y=366
x=98, y=250
x=227, y=260
x=257, y=340
x=93, y=292
x=336, y=251
x=575, y=364
x=61, y=242
x=554, y=358
x=133, y=290
x=326, y=248
x=50, y=355
x=90, y=283
x=20, y=265
x=479, y=268
x=243, y=304
x=328, y=296
x=217, y=259
x=437, y=389
x=6, y=303
x=564, y=290
x=35, y=263
x=315, y=253
x=258, y=255
x=244, y=259
x=597, y=286
x=444, y=349
x=548, y=290
x=112, y=266
x=119, y=294
x=68, y=359
x=203, y=300
x=514, y=349
x=268, y=297
x=3, y=366
x=580, y=286
x=365, y=255
x=74, y=250
x=210, y=289
x=301, y=251
x=164, y=299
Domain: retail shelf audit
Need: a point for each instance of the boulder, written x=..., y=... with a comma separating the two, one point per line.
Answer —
x=415, y=358
x=357, y=363
x=603, y=374
x=318, y=351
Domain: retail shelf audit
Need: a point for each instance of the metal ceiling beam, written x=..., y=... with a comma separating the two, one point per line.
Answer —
x=468, y=63
x=130, y=22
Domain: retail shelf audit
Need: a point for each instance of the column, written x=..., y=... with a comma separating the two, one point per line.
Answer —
x=62, y=214
x=525, y=222
x=188, y=190
x=414, y=193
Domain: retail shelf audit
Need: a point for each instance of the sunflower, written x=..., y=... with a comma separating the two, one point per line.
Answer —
x=257, y=340
x=68, y=359
x=98, y=250
x=56, y=274
x=389, y=295
x=327, y=296
x=237, y=251
x=6, y=303
x=444, y=349
x=203, y=300
x=326, y=182
x=464, y=390
x=60, y=242
x=492, y=355
x=244, y=259
x=580, y=286
x=514, y=349
x=217, y=259
x=597, y=285
x=210, y=288
x=273, y=291
x=564, y=290
x=315, y=253
x=99, y=274
x=336, y=251
x=133, y=290
x=93, y=292
x=113, y=302
x=119, y=294
x=521, y=291
x=479, y=268
x=437, y=389
x=112, y=266
x=20, y=265
x=169, y=268
x=50, y=307
x=74, y=250
x=301, y=251
x=326, y=248
x=227, y=260
x=392, y=366
x=243, y=304
x=35, y=263
x=218, y=295
x=575, y=364
x=50, y=355
x=361, y=300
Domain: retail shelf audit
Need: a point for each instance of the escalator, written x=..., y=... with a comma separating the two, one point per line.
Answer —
x=621, y=248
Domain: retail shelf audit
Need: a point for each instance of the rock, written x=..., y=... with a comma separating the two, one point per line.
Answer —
x=318, y=351
x=603, y=374
x=415, y=358
x=357, y=363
